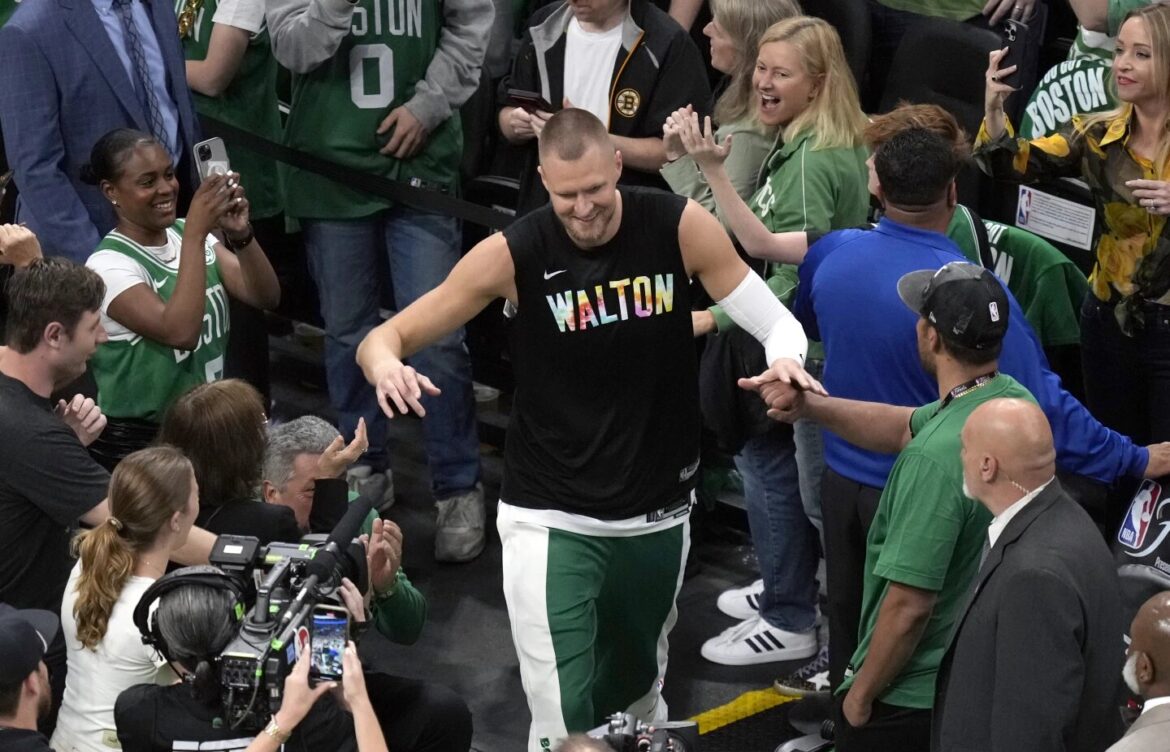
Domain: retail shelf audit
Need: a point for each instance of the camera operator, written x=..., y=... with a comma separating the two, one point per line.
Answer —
x=302, y=465
x=195, y=622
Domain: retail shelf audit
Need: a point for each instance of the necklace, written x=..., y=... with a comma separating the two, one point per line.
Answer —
x=966, y=388
x=187, y=16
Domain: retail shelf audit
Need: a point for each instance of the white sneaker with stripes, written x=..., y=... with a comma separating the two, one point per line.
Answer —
x=756, y=641
x=741, y=603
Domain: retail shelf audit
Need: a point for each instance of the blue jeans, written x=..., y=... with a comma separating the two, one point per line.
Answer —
x=343, y=259
x=785, y=541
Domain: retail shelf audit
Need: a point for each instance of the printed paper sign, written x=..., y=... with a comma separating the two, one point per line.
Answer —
x=1055, y=218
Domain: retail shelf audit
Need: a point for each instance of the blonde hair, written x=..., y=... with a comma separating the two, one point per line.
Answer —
x=1156, y=18
x=834, y=116
x=745, y=21
x=146, y=489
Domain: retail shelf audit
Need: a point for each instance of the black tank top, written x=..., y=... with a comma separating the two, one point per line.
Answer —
x=605, y=418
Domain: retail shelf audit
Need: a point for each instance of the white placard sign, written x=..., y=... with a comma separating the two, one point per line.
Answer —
x=1055, y=218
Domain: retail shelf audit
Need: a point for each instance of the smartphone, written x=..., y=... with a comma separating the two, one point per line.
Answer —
x=211, y=158
x=1015, y=36
x=329, y=635
x=528, y=100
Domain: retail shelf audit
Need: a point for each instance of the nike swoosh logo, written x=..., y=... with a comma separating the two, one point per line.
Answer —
x=550, y=275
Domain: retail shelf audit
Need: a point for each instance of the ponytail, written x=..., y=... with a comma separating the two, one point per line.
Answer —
x=107, y=561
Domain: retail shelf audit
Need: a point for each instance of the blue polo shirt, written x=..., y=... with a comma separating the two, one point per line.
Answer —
x=848, y=298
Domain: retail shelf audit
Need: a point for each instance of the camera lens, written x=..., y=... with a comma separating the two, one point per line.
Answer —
x=205, y=152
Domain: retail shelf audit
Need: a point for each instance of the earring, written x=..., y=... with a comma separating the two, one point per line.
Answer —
x=115, y=203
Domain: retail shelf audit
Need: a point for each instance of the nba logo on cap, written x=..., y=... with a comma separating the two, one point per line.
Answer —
x=1141, y=512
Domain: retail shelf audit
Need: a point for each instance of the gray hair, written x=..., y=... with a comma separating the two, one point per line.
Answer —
x=196, y=622
x=308, y=434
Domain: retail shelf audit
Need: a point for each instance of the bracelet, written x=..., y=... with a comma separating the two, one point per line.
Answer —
x=274, y=731
x=239, y=245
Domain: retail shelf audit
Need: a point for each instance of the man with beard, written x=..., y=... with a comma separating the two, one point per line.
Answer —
x=1033, y=661
x=25, y=695
x=924, y=542
x=603, y=445
x=1147, y=673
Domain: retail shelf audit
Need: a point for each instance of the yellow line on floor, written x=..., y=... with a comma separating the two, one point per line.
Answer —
x=747, y=704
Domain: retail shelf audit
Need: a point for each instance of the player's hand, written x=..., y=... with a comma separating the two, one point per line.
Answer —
x=700, y=143
x=408, y=137
x=211, y=201
x=83, y=417
x=1153, y=195
x=19, y=246
x=352, y=598
x=403, y=387
x=703, y=322
x=299, y=697
x=1159, y=463
x=338, y=456
x=383, y=555
x=857, y=712
x=791, y=372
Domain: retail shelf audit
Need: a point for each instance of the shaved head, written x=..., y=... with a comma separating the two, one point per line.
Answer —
x=1149, y=647
x=570, y=133
x=1007, y=451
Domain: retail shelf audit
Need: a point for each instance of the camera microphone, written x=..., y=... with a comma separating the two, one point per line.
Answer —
x=330, y=561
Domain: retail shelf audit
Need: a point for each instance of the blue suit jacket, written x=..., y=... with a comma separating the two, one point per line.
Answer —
x=62, y=87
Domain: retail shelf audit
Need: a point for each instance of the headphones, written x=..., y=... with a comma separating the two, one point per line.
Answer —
x=213, y=577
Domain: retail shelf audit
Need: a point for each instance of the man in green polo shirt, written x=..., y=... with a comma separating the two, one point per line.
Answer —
x=924, y=544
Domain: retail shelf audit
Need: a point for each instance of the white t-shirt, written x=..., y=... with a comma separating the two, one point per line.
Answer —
x=589, y=61
x=96, y=677
x=243, y=14
x=120, y=273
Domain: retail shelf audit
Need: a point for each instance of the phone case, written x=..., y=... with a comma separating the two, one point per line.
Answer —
x=1015, y=38
x=211, y=158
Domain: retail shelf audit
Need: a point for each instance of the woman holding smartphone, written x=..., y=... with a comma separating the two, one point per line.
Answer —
x=1124, y=156
x=167, y=285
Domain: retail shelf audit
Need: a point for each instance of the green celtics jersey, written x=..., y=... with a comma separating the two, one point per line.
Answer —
x=337, y=108
x=249, y=102
x=1048, y=285
x=7, y=8
x=1073, y=87
x=140, y=378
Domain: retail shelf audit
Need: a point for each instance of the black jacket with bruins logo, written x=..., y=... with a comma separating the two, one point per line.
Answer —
x=658, y=69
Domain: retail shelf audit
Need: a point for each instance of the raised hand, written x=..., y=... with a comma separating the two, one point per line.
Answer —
x=996, y=92
x=403, y=387
x=19, y=246
x=338, y=456
x=83, y=417
x=701, y=145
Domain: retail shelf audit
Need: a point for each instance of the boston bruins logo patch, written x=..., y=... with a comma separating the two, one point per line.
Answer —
x=627, y=102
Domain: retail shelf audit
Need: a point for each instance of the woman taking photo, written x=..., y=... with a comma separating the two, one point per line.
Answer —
x=167, y=285
x=153, y=500
x=814, y=179
x=1122, y=155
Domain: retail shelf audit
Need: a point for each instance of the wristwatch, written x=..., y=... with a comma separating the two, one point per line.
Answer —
x=274, y=730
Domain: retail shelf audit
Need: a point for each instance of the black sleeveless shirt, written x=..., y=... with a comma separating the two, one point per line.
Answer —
x=605, y=418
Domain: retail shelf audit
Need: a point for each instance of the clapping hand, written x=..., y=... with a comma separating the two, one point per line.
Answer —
x=83, y=417
x=338, y=456
x=671, y=130
x=700, y=142
x=383, y=555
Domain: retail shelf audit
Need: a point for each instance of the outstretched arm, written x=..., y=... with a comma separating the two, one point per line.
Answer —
x=484, y=274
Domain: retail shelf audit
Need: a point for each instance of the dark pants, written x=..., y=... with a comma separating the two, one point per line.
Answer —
x=889, y=728
x=417, y=716
x=848, y=509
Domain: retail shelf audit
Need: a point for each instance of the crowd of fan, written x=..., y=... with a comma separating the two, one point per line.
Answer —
x=970, y=600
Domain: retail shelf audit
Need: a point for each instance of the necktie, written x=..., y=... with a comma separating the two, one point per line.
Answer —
x=983, y=554
x=142, y=86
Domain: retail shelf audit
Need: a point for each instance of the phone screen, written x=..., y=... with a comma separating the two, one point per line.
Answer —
x=330, y=633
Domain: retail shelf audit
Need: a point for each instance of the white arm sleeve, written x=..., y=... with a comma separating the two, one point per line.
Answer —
x=755, y=309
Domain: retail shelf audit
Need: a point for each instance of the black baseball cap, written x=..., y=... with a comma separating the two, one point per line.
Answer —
x=25, y=636
x=965, y=302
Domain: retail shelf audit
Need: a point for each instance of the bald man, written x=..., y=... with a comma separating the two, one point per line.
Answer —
x=1032, y=664
x=1147, y=673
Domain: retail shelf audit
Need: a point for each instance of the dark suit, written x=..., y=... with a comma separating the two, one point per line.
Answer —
x=62, y=87
x=1035, y=660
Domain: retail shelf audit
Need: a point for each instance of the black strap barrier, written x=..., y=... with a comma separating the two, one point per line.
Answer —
x=393, y=190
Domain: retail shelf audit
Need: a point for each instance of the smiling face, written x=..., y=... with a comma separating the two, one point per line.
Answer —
x=782, y=83
x=583, y=193
x=1134, y=66
x=146, y=190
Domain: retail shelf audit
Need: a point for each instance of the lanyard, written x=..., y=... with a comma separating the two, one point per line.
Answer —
x=964, y=389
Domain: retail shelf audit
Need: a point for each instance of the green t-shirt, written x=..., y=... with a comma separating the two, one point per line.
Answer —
x=1048, y=285
x=249, y=103
x=927, y=534
x=1073, y=87
x=337, y=108
x=7, y=8
x=140, y=378
x=956, y=10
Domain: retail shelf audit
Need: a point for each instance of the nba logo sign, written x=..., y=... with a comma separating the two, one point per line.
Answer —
x=1141, y=511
